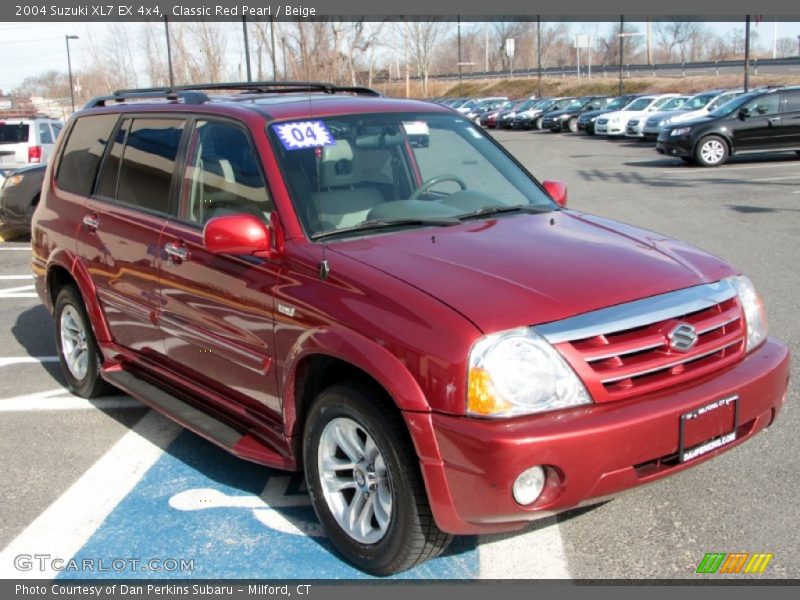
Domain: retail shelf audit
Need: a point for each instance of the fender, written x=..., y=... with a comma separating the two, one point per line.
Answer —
x=68, y=261
x=361, y=352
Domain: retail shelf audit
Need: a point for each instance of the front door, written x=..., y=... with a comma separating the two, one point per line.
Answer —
x=217, y=314
x=758, y=126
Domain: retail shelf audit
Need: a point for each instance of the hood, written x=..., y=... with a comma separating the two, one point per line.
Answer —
x=529, y=269
x=688, y=115
x=691, y=122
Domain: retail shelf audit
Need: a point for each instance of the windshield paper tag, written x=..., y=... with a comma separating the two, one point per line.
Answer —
x=303, y=134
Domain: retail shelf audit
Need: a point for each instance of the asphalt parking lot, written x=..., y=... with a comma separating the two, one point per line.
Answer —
x=110, y=480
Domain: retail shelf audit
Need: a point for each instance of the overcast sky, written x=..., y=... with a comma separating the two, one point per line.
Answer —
x=31, y=48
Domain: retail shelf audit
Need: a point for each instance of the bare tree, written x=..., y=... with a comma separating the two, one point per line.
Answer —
x=787, y=47
x=423, y=37
x=678, y=34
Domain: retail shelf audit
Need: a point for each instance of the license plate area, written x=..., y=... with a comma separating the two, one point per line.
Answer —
x=707, y=428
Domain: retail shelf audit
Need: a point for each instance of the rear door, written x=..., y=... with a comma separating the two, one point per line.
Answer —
x=122, y=224
x=217, y=313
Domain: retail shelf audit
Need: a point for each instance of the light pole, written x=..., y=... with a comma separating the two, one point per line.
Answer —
x=67, y=38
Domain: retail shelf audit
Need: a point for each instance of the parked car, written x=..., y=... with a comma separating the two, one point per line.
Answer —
x=587, y=120
x=2, y=177
x=613, y=124
x=533, y=118
x=292, y=280
x=700, y=105
x=19, y=195
x=489, y=118
x=508, y=119
x=469, y=105
x=760, y=121
x=636, y=126
x=481, y=108
x=567, y=117
x=27, y=141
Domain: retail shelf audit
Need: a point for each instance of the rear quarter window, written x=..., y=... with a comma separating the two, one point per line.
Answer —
x=81, y=156
x=793, y=101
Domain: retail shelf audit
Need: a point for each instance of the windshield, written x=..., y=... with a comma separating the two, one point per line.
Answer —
x=578, y=103
x=674, y=103
x=639, y=104
x=346, y=172
x=699, y=101
x=560, y=104
x=527, y=104
x=734, y=104
x=13, y=133
x=618, y=103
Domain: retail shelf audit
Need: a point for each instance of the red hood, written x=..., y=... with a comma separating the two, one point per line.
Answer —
x=529, y=269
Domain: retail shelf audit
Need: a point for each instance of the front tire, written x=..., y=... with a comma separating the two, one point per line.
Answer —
x=572, y=124
x=364, y=481
x=77, y=348
x=711, y=151
x=539, y=123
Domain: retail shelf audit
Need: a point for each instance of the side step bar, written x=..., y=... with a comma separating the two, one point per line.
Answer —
x=205, y=425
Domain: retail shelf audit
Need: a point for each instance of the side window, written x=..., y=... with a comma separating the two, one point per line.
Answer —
x=57, y=127
x=80, y=159
x=148, y=162
x=222, y=176
x=107, y=188
x=45, y=137
x=765, y=105
x=792, y=102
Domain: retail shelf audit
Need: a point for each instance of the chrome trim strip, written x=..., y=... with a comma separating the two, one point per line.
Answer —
x=637, y=313
x=626, y=352
x=672, y=364
x=712, y=328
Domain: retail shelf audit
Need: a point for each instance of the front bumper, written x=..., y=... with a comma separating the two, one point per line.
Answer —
x=469, y=465
x=674, y=146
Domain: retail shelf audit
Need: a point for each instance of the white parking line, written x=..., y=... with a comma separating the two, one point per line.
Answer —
x=65, y=526
x=678, y=170
x=777, y=178
x=25, y=291
x=19, y=360
x=62, y=400
x=6, y=277
x=16, y=249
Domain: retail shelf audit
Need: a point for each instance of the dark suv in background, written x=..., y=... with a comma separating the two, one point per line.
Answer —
x=759, y=121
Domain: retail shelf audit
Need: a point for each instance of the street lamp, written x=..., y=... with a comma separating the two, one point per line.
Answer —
x=69, y=67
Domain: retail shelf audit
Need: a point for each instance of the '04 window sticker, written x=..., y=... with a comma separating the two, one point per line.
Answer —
x=303, y=134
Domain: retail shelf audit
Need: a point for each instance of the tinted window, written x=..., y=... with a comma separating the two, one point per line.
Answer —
x=148, y=162
x=45, y=137
x=78, y=166
x=108, y=178
x=13, y=133
x=57, y=127
x=222, y=175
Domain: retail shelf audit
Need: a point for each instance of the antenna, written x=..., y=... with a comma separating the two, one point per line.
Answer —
x=324, y=267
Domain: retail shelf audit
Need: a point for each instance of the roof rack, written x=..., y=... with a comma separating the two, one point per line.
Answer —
x=193, y=94
x=172, y=95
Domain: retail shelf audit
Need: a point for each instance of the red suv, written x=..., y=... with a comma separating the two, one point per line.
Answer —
x=375, y=292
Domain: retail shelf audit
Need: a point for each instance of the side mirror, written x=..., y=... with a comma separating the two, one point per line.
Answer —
x=557, y=190
x=744, y=113
x=242, y=234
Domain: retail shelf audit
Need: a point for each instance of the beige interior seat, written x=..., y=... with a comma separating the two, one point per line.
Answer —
x=342, y=201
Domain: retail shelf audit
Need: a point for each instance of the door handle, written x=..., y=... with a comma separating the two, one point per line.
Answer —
x=91, y=222
x=176, y=252
x=774, y=120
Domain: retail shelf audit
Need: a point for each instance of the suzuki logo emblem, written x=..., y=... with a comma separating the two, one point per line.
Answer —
x=683, y=337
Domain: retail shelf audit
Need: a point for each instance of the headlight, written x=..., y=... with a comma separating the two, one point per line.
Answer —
x=13, y=180
x=680, y=131
x=593, y=119
x=518, y=372
x=662, y=122
x=755, y=316
x=564, y=116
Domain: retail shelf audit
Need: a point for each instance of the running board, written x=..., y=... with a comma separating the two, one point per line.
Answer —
x=236, y=442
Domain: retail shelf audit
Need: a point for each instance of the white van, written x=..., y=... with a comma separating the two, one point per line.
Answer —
x=27, y=141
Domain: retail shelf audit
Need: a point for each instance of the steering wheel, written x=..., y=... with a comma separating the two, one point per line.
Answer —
x=426, y=185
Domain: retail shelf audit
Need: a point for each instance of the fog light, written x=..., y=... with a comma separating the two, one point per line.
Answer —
x=529, y=485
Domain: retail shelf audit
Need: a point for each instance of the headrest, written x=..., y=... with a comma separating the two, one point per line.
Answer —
x=339, y=167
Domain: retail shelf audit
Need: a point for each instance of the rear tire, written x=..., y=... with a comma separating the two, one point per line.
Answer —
x=539, y=123
x=77, y=348
x=711, y=151
x=364, y=481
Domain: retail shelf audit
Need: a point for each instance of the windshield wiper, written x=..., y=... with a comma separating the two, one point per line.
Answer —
x=384, y=223
x=493, y=210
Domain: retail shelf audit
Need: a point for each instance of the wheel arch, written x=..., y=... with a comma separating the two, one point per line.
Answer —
x=724, y=137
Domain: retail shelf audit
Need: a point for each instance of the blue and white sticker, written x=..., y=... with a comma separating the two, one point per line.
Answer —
x=304, y=134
